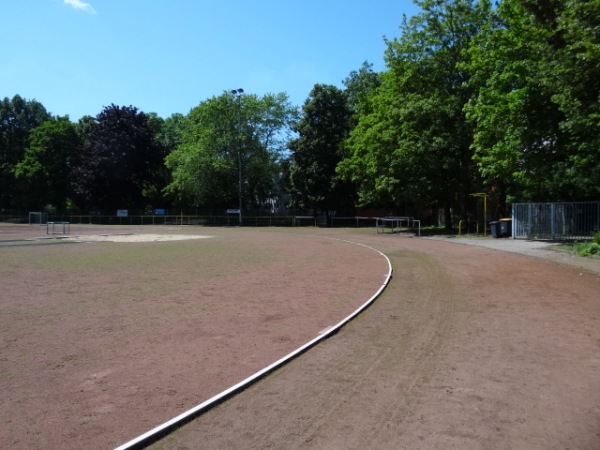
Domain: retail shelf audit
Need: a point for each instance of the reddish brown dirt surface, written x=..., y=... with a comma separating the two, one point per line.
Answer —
x=468, y=348
x=102, y=341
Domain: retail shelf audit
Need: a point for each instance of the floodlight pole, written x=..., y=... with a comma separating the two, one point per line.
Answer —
x=238, y=93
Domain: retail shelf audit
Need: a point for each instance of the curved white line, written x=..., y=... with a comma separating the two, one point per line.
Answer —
x=162, y=430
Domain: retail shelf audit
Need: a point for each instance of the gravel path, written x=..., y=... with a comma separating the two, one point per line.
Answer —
x=545, y=250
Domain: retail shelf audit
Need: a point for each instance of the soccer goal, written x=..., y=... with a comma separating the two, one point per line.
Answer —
x=58, y=228
x=38, y=218
x=397, y=225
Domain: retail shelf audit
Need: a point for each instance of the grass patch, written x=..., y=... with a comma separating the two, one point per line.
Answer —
x=584, y=249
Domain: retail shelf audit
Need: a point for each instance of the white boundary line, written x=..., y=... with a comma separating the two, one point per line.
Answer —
x=164, y=429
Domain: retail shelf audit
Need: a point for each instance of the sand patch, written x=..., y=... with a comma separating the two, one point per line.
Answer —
x=136, y=237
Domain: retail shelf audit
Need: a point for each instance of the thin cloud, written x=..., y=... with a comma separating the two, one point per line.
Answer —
x=81, y=6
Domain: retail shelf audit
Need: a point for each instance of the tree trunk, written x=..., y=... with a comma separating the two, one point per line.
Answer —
x=448, y=216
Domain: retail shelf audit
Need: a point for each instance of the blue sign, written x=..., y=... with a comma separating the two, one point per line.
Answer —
x=160, y=212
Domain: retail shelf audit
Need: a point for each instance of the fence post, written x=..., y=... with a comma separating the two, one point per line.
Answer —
x=552, y=220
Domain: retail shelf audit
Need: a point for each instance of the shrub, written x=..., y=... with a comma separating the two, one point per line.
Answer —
x=588, y=249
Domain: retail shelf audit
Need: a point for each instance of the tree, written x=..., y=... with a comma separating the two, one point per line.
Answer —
x=575, y=81
x=315, y=154
x=45, y=172
x=222, y=137
x=120, y=159
x=170, y=132
x=17, y=118
x=360, y=85
x=536, y=111
x=413, y=146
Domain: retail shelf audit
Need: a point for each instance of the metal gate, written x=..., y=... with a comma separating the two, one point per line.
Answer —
x=556, y=221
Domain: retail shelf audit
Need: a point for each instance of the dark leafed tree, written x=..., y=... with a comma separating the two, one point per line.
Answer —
x=119, y=161
x=17, y=118
x=325, y=123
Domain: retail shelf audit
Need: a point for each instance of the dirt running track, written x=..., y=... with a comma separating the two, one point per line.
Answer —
x=468, y=348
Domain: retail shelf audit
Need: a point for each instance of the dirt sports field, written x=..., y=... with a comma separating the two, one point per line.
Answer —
x=104, y=337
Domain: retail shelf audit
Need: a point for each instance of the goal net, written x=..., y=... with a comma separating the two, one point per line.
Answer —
x=38, y=218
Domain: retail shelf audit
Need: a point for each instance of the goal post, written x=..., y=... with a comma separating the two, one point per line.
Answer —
x=398, y=224
x=38, y=218
x=58, y=228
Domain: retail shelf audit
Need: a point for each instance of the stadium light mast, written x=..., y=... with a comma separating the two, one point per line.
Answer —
x=238, y=93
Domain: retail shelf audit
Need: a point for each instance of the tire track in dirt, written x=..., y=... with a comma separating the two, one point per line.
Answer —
x=331, y=385
x=432, y=292
x=468, y=348
x=392, y=379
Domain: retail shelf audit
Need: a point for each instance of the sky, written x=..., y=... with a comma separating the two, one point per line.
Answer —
x=166, y=56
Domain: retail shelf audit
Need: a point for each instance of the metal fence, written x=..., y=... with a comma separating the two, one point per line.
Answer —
x=175, y=219
x=184, y=219
x=556, y=221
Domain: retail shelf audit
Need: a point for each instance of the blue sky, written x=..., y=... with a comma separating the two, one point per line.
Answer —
x=166, y=56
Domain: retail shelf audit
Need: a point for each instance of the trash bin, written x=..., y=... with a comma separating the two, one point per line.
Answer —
x=505, y=228
x=495, y=229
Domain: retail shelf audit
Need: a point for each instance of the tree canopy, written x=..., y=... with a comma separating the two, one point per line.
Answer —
x=119, y=160
x=476, y=97
x=317, y=151
x=226, y=137
x=537, y=107
x=48, y=163
x=17, y=118
x=414, y=145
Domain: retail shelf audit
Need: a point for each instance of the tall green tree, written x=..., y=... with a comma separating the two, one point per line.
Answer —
x=119, y=161
x=167, y=132
x=315, y=154
x=170, y=132
x=18, y=117
x=220, y=138
x=537, y=107
x=575, y=80
x=45, y=172
x=360, y=86
x=414, y=146
x=578, y=65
